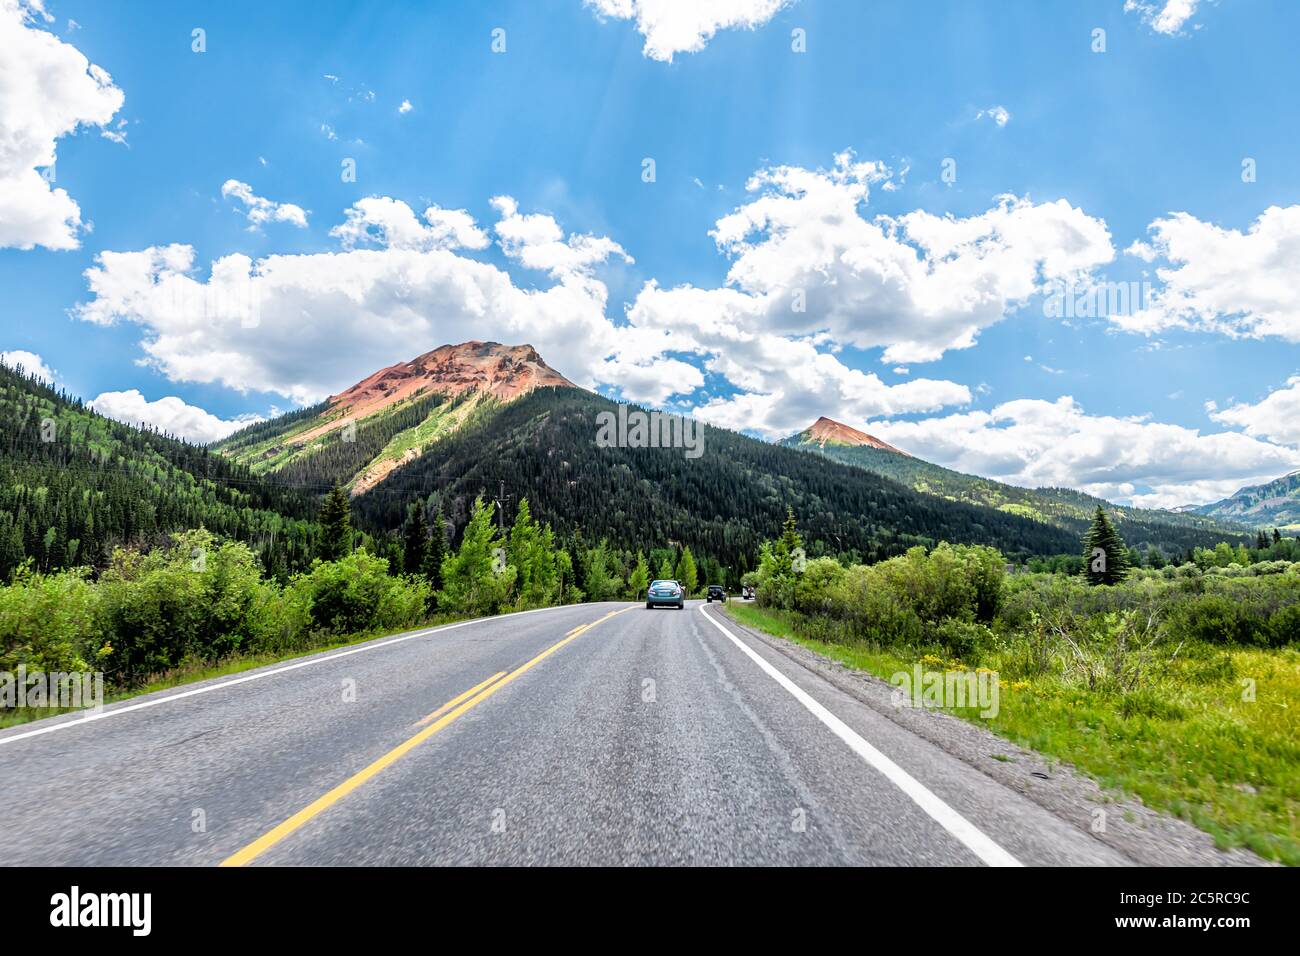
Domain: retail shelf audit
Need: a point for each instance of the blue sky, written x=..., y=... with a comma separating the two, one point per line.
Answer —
x=953, y=357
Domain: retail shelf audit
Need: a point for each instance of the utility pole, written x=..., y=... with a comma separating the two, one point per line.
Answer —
x=501, y=500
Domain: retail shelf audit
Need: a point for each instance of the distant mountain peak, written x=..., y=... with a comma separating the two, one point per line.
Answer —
x=827, y=431
x=501, y=371
x=1273, y=504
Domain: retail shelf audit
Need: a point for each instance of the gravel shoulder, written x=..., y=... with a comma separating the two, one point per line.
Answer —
x=1145, y=836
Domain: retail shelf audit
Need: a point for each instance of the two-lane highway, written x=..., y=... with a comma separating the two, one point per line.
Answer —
x=588, y=734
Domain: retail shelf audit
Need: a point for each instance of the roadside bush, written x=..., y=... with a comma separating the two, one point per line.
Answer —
x=284, y=622
x=872, y=612
x=813, y=588
x=356, y=594
x=47, y=622
x=1213, y=618
x=189, y=599
x=934, y=584
x=1248, y=610
x=967, y=641
x=895, y=601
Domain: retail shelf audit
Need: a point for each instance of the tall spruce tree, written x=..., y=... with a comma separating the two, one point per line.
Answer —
x=336, y=525
x=1105, y=558
x=436, y=552
x=415, y=540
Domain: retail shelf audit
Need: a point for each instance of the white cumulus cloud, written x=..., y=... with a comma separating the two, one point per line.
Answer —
x=789, y=384
x=1211, y=279
x=1276, y=417
x=31, y=363
x=537, y=241
x=686, y=26
x=391, y=223
x=48, y=89
x=806, y=260
x=306, y=326
x=1034, y=442
x=1168, y=17
x=171, y=415
x=259, y=210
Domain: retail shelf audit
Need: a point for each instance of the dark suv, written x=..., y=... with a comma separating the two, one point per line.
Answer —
x=716, y=594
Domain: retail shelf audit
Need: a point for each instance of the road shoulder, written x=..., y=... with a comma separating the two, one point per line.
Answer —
x=1147, y=837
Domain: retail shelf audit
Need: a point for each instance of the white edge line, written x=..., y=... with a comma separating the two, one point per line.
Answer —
x=972, y=837
x=113, y=710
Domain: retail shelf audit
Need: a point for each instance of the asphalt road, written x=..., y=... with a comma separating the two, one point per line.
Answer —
x=599, y=734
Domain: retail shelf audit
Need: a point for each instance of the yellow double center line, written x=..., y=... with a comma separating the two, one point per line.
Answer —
x=440, y=718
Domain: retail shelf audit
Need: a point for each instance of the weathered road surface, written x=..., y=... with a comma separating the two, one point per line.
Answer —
x=590, y=734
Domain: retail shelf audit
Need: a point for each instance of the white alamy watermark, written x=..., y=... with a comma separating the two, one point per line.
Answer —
x=1095, y=300
x=75, y=908
x=234, y=298
x=634, y=428
x=947, y=690
x=66, y=690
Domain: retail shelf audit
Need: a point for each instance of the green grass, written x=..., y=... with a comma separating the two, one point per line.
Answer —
x=1186, y=743
x=441, y=421
x=235, y=664
x=278, y=450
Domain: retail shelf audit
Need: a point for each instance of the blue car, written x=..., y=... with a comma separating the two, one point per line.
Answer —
x=665, y=592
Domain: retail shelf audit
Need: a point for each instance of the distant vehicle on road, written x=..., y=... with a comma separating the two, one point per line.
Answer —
x=668, y=593
x=747, y=592
x=716, y=593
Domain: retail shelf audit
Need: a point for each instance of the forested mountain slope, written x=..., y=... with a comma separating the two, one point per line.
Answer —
x=359, y=436
x=1173, y=532
x=74, y=484
x=1274, y=504
x=723, y=503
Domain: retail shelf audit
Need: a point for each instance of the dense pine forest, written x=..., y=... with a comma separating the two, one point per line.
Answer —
x=73, y=485
x=722, y=504
x=76, y=485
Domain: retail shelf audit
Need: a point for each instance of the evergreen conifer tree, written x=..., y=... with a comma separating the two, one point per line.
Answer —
x=415, y=540
x=1105, y=557
x=336, y=525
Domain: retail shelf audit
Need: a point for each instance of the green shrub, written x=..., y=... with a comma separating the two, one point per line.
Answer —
x=48, y=622
x=965, y=640
x=1284, y=627
x=813, y=588
x=356, y=594
x=284, y=622
x=190, y=599
x=871, y=612
x=1255, y=610
x=1213, y=618
x=935, y=584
